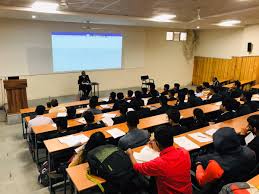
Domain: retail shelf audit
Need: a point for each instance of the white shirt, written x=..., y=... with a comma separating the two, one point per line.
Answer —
x=39, y=120
x=58, y=109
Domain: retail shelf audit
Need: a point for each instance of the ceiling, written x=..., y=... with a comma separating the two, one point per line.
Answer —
x=139, y=12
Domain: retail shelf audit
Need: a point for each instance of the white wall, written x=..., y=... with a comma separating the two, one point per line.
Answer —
x=145, y=48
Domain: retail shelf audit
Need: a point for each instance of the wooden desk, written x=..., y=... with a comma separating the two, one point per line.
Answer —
x=81, y=183
x=243, y=83
x=254, y=181
x=256, y=87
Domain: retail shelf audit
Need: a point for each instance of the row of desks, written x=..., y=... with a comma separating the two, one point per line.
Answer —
x=243, y=83
x=77, y=174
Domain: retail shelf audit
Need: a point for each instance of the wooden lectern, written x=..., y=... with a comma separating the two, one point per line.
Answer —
x=16, y=94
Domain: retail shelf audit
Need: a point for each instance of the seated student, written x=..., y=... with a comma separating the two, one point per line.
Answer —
x=71, y=112
x=130, y=95
x=252, y=127
x=40, y=119
x=230, y=162
x=141, y=111
x=206, y=86
x=120, y=102
x=227, y=110
x=144, y=93
x=176, y=88
x=200, y=120
x=97, y=139
x=194, y=100
x=246, y=97
x=153, y=89
x=171, y=94
x=137, y=99
x=215, y=82
x=181, y=104
x=213, y=96
x=90, y=122
x=174, y=117
x=135, y=137
x=48, y=105
x=236, y=91
x=166, y=89
x=56, y=108
x=93, y=102
x=122, y=117
x=164, y=105
x=171, y=169
x=154, y=99
x=198, y=91
x=112, y=98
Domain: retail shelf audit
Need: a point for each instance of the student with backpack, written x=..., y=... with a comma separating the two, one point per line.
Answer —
x=171, y=169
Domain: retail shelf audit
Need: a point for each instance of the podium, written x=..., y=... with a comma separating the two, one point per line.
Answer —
x=16, y=94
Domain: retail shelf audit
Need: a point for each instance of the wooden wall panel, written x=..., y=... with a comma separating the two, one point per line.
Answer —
x=237, y=68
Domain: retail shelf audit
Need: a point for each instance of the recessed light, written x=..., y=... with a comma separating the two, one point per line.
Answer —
x=33, y=16
x=44, y=6
x=227, y=23
x=163, y=18
x=198, y=27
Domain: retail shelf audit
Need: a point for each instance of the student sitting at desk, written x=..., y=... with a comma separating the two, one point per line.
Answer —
x=171, y=169
x=213, y=96
x=166, y=89
x=230, y=162
x=227, y=110
x=164, y=105
x=176, y=88
x=200, y=120
x=236, y=91
x=153, y=89
x=171, y=94
x=90, y=122
x=40, y=119
x=120, y=102
x=144, y=93
x=246, y=97
x=215, y=82
x=194, y=100
x=181, y=104
x=130, y=95
x=137, y=99
x=123, y=117
x=56, y=108
x=198, y=91
x=135, y=137
x=93, y=104
x=112, y=98
x=141, y=111
x=252, y=129
x=154, y=99
x=174, y=117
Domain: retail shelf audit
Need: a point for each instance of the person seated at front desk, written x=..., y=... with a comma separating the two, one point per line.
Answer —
x=84, y=83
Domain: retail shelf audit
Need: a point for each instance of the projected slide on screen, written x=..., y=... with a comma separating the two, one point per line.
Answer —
x=74, y=51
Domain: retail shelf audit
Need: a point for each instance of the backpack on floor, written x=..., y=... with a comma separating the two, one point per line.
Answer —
x=43, y=177
x=239, y=188
x=113, y=164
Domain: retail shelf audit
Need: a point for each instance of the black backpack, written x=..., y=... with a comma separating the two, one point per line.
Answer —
x=112, y=164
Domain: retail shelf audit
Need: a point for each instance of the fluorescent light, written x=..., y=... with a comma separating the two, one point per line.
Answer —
x=198, y=27
x=42, y=6
x=33, y=16
x=163, y=18
x=229, y=23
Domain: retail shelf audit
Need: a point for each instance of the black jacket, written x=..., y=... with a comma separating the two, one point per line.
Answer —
x=195, y=101
x=83, y=79
x=153, y=100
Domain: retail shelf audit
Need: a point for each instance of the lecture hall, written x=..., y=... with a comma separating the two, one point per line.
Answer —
x=129, y=96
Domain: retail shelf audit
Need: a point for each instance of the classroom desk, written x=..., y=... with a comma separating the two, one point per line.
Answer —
x=81, y=183
x=256, y=86
x=254, y=181
x=243, y=83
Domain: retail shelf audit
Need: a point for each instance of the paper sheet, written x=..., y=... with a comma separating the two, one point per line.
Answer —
x=200, y=137
x=250, y=137
x=115, y=132
x=145, y=155
x=211, y=131
x=109, y=115
x=62, y=114
x=185, y=143
x=72, y=140
x=218, y=103
x=145, y=101
x=81, y=120
x=54, y=125
x=82, y=110
x=130, y=109
x=105, y=106
x=105, y=99
x=108, y=121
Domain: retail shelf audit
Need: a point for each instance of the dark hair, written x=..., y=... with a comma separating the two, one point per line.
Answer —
x=54, y=102
x=184, y=90
x=153, y=93
x=215, y=78
x=164, y=135
x=136, y=104
x=144, y=90
x=88, y=116
x=199, y=89
x=163, y=100
x=123, y=110
x=248, y=96
x=177, y=85
x=191, y=92
x=48, y=104
x=206, y=84
x=181, y=96
x=152, y=86
x=95, y=140
x=230, y=104
x=61, y=123
x=93, y=102
x=113, y=95
x=130, y=93
x=253, y=121
x=40, y=109
x=120, y=96
x=71, y=112
x=172, y=92
x=166, y=86
x=132, y=119
x=199, y=114
x=138, y=94
x=174, y=115
x=237, y=83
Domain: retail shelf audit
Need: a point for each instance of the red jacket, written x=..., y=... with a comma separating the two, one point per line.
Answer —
x=171, y=169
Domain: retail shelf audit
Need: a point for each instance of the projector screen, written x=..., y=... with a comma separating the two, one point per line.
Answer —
x=74, y=51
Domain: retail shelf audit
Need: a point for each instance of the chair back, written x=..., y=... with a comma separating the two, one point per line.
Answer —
x=144, y=77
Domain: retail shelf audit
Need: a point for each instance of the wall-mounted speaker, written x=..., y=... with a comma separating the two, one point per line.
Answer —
x=249, y=47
